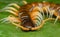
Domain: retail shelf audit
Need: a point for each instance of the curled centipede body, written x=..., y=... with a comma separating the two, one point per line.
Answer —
x=31, y=16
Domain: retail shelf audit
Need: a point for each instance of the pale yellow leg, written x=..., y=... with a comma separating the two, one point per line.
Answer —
x=24, y=2
x=16, y=14
x=18, y=25
x=13, y=20
x=10, y=18
x=56, y=19
x=14, y=4
x=13, y=9
x=36, y=28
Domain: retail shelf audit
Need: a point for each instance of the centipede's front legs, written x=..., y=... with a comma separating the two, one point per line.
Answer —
x=15, y=21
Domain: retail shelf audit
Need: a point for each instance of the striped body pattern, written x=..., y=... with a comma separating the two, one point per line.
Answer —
x=32, y=16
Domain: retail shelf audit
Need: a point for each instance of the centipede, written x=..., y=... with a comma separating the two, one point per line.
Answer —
x=31, y=16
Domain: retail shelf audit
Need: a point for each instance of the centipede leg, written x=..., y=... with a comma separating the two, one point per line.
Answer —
x=41, y=10
x=24, y=2
x=42, y=23
x=3, y=20
x=56, y=19
x=10, y=18
x=51, y=13
x=47, y=13
x=13, y=4
x=18, y=25
x=12, y=12
x=13, y=19
x=11, y=9
x=46, y=9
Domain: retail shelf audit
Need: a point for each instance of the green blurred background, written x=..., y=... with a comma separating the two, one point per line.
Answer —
x=9, y=30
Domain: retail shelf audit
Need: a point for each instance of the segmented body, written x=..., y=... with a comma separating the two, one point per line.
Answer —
x=32, y=16
x=26, y=17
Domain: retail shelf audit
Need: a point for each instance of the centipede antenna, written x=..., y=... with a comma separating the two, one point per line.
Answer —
x=56, y=19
